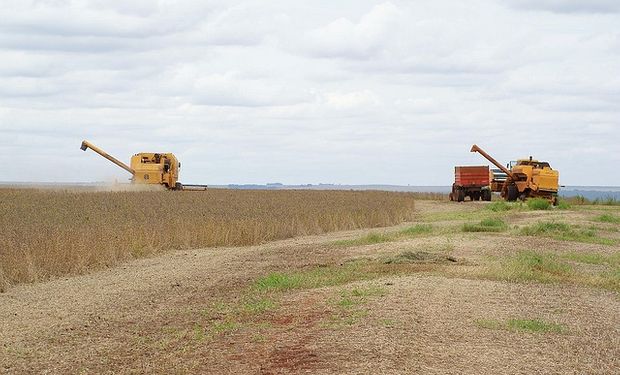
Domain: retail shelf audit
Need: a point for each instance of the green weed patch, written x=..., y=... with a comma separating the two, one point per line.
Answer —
x=418, y=257
x=530, y=266
x=608, y=218
x=565, y=232
x=375, y=238
x=369, y=239
x=594, y=258
x=522, y=325
x=538, y=204
x=500, y=206
x=486, y=225
x=417, y=230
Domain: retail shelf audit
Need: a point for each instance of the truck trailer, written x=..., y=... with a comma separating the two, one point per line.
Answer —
x=472, y=182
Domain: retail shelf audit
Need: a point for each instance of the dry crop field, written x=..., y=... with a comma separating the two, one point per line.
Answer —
x=53, y=233
x=471, y=288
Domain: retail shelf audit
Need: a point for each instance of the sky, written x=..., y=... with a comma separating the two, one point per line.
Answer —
x=346, y=92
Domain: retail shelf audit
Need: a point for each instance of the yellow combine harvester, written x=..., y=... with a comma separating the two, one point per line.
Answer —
x=526, y=178
x=147, y=167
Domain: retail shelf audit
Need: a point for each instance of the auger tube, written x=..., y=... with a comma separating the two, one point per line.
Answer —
x=477, y=149
x=86, y=144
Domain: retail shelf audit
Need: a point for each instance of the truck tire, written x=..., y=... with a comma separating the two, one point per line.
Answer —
x=513, y=193
x=486, y=195
x=460, y=197
x=178, y=186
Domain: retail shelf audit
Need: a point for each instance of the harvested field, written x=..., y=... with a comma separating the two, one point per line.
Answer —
x=428, y=296
x=50, y=233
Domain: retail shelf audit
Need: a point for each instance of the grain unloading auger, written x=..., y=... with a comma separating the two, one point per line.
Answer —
x=527, y=178
x=149, y=168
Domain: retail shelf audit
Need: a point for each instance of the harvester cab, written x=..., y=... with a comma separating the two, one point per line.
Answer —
x=526, y=178
x=156, y=168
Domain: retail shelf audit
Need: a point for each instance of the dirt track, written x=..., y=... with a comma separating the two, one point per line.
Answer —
x=142, y=317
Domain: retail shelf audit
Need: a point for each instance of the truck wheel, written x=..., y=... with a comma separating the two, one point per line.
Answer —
x=512, y=193
x=460, y=196
x=486, y=195
x=178, y=186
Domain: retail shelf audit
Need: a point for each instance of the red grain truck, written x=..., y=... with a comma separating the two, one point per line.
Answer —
x=472, y=182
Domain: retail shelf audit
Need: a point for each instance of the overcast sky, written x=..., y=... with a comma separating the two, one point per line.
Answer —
x=349, y=91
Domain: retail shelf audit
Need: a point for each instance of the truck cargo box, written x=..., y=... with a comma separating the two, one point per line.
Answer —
x=471, y=176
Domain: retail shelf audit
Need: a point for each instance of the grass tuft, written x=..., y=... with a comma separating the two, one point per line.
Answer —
x=374, y=238
x=417, y=230
x=499, y=206
x=563, y=205
x=538, y=204
x=486, y=225
x=546, y=228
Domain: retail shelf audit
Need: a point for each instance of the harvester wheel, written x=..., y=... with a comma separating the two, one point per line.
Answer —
x=178, y=186
x=512, y=193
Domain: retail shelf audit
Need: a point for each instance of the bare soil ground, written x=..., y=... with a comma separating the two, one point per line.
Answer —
x=200, y=311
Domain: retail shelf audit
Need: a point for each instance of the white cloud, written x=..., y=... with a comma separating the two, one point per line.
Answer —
x=358, y=100
x=348, y=39
x=568, y=6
